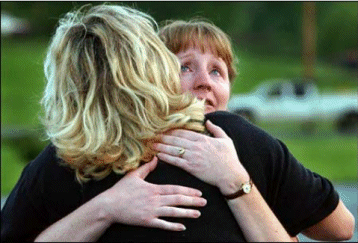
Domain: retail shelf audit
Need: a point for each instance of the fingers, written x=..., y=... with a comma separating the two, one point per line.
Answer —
x=181, y=200
x=173, y=160
x=182, y=190
x=145, y=169
x=178, y=212
x=189, y=135
x=173, y=212
x=162, y=224
x=176, y=141
x=168, y=149
x=215, y=130
x=194, y=136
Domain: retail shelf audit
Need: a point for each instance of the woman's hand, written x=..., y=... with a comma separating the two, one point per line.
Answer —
x=211, y=159
x=134, y=201
x=215, y=161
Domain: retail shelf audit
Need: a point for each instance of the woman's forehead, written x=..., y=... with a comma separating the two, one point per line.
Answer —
x=204, y=47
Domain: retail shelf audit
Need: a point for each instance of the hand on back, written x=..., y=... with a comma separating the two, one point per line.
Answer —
x=134, y=201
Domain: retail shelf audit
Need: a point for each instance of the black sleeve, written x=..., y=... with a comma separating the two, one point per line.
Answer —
x=303, y=197
x=45, y=193
x=298, y=197
x=23, y=216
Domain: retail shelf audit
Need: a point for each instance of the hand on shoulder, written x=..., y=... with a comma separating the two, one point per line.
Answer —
x=211, y=159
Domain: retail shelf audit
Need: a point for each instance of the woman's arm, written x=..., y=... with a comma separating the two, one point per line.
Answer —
x=131, y=201
x=85, y=224
x=215, y=161
x=339, y=225
x=256, y=219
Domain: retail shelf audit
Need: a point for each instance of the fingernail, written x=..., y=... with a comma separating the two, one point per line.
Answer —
x=204, y=202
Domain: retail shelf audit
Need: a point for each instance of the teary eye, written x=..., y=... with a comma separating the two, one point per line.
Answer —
x=184, y=68
x=216, y=71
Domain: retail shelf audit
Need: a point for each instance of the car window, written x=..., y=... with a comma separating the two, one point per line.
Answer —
x=300, y=89
x=275, y=91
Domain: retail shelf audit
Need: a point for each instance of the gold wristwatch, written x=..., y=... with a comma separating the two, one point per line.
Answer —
x=245, y=188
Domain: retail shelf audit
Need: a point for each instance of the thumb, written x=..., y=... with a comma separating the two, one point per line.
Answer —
x=145, y=169
x=215, y=130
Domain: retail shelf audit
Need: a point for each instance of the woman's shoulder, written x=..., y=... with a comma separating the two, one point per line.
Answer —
x=227, y=119
x=223, y=115
x=48, y=173
x=238, y=127
x=57, y=182
x=47, y=163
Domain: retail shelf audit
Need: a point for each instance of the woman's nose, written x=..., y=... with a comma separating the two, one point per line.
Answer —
x=203, y=80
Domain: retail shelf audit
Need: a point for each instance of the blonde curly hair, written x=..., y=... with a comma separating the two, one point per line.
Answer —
x=112, y=86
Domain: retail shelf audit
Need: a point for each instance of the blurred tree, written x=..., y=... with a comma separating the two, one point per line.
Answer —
x=309, y=40
x=266, y=27
x=337, y=27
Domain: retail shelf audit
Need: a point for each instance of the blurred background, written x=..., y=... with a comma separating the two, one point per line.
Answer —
x=311, y=43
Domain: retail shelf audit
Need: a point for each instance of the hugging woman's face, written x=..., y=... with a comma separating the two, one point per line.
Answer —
x=205, y=76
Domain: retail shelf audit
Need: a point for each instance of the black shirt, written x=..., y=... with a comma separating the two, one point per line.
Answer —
x=47, y=191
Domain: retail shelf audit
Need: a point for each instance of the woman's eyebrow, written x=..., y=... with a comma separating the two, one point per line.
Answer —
x=218, y=62
x=187, y=55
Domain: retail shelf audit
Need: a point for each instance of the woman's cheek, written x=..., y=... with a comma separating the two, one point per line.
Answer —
x=225, y=93
x=186, y=82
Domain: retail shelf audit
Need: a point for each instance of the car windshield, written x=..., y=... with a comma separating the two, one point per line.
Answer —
x=275, y=91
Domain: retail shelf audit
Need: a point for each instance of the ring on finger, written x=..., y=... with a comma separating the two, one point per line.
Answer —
x=181, y=152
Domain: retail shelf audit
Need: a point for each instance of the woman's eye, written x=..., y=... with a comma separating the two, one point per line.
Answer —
x=216, y=72
x=184, y=68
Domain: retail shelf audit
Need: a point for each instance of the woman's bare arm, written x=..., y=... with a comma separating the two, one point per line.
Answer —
x=131, y=201
x=339, y=225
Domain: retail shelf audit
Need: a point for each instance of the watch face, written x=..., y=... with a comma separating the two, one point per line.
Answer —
x=246, y=188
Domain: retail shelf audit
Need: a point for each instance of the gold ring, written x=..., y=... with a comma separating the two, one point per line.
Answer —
x=181, y=152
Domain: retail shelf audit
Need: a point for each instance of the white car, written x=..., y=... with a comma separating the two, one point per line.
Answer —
x=284, y=100
x=11, y=25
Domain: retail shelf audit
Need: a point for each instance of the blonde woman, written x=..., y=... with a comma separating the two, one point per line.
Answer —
x=112, y=86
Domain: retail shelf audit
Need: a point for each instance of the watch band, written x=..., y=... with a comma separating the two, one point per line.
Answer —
x=240, y=192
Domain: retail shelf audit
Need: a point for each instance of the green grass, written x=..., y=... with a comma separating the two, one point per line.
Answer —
x=22, y=80
x=12, y=165
x=322, y=150
x=334, y=157
x=22, y=83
